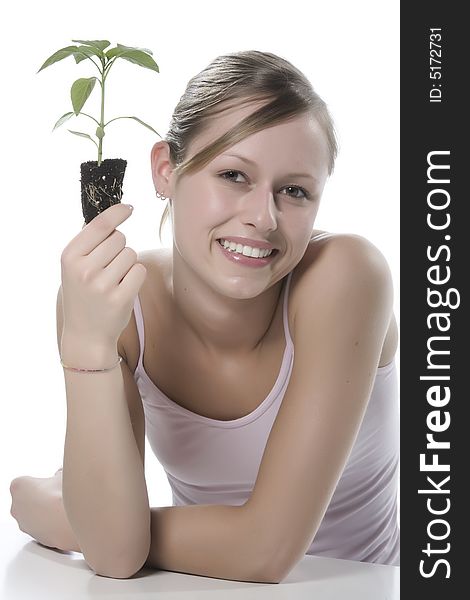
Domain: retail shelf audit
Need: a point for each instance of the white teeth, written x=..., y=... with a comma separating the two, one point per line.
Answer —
x=245, y=250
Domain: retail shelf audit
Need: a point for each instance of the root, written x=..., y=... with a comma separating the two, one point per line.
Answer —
x=95, y=194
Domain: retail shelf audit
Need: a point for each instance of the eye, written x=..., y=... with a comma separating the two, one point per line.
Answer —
x=296, y=188
x=232, y=175
x=228, y=175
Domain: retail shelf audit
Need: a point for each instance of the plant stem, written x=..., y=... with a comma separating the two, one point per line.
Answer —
x=100, y=144
x=89, y=116
x=109, y=65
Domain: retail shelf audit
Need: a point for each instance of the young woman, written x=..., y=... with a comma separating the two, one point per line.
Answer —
x=257, y=355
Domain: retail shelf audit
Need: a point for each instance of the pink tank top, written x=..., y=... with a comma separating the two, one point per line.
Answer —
x=216, y=462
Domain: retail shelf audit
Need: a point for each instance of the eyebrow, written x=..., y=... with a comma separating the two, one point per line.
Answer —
x=252, y=162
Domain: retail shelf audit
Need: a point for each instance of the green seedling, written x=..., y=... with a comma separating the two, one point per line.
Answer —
x=95, y=51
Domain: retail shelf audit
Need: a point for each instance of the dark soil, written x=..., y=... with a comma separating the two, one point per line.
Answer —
x=101, y=186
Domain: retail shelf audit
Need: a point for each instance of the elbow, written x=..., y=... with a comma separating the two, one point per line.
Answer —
x=117, y=573
x=265, y=558
x=270, y=575
x=117, y=569
x=263, y=567
x=123, y=565
x=281, y=564
x=273, y=575
x=267, y=578
x=277, y=564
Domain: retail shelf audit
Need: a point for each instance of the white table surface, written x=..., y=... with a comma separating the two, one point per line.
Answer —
x=30, y=571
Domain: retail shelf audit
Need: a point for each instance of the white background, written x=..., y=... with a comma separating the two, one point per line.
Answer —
x=349, y=51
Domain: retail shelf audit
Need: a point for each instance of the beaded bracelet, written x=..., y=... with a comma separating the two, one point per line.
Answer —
x=78, y=370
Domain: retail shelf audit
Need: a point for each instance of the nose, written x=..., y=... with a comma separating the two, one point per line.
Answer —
x=260, y=210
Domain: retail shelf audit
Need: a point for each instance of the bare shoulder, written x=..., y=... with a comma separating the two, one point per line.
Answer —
x=339, y=253
x=345, y=272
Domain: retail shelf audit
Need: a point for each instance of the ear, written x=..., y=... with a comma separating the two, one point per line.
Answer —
x=162, y=168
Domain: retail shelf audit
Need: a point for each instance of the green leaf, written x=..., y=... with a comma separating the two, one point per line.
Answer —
x=135, y=48
x=59, y=55
x=98, y=44
x=142, y=123
x=99, y=133
x=138, y=57
x=83, y=52
x=114, y=52
x=62, y=119
x=84, y=135
x=80, y=91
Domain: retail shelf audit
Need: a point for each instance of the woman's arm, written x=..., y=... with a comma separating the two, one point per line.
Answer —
x=342, y=310
x=207, y=540
x=104, y=489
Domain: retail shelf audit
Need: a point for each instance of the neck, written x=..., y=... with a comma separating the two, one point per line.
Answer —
x=221, y=324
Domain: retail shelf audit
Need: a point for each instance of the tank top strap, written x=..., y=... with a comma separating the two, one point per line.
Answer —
x=285, y=313
x=139, y=320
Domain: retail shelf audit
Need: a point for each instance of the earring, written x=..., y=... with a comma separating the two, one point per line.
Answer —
x=161, y=196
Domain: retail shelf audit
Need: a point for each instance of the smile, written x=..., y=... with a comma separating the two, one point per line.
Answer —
x=245, y=250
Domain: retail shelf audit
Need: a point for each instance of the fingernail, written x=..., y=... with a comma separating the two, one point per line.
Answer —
x=130, y=207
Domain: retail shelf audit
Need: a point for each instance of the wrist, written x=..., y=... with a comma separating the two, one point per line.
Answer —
x=87, y=354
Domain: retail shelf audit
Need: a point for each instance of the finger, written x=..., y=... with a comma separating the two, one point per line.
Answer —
x=118, y=268
x=107, y=251
x=98, y=230
x=133, y=280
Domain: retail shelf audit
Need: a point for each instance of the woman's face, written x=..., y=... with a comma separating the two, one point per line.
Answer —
x=263, y=191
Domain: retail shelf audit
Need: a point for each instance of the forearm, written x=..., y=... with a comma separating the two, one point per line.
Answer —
x=210, y=540
x=103, y=481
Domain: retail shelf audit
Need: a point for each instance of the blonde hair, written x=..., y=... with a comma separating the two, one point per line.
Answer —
x=235, y=79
